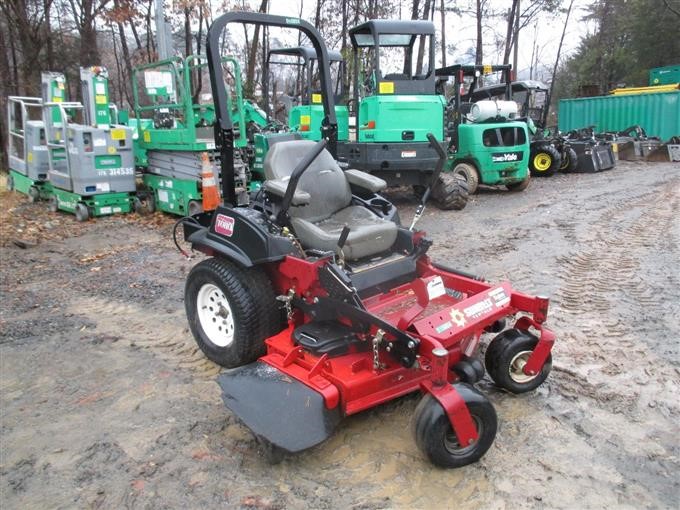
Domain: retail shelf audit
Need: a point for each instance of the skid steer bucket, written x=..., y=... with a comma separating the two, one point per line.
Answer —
x=275, y=407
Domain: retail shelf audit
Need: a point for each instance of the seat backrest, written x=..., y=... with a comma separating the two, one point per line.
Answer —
x=324, y=180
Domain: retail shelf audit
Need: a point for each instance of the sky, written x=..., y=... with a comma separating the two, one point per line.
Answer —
x=461, y=32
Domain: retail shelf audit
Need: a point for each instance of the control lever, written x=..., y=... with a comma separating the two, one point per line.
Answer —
x=433, y=180
x=341, y=242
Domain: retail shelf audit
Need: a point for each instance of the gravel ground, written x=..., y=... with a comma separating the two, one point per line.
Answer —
x=106, y=403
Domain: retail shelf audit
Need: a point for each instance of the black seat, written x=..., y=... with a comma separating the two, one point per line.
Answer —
x=325, y=188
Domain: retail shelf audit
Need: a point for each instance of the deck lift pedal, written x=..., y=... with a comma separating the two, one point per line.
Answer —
x=326, y=306
x=91, y=164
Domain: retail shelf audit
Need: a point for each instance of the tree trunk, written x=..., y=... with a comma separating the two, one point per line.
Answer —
x=249, y=86
x=317, y=18
x=47, y=7
x=479, y=54
x=443, y=16
x=557, y=61
x=515, y=40
x=509, y=32
x=423, y=40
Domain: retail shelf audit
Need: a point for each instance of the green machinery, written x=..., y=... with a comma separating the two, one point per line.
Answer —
x=27, y=148
x=397, y=106
x=181, y=127
x=488, y=142
x=90, y=164
x=302, y=103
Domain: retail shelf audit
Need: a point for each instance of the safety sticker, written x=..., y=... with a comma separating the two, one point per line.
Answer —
x=435, y=287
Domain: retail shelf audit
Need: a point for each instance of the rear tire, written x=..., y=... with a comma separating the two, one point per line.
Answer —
x=569, y=160
x=521, y=185
x=53, y=204
x=544, y=161
x=231, y=311
x=435, y=436
x=82, y=212
x=33, y=194
x=469, y=174
x=450, y=192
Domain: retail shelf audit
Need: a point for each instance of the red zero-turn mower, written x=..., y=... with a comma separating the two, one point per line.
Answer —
x=325, y=306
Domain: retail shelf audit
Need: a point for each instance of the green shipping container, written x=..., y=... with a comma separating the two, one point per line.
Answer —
x=664, y=75
x=658, y=113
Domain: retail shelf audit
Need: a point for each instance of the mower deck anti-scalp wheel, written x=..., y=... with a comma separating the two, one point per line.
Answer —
x=544, y=161
x=231, y=311
x=33, y=194
x=506, y=356
x=450, y=192
x=569, y=160
x=469, y=173
x=521, y=185
x=435, y=436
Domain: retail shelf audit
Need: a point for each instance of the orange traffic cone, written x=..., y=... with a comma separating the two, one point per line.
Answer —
x=211, y=195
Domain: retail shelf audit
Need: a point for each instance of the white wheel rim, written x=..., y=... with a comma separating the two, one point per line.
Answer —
x=516, y=369
x=215, y=316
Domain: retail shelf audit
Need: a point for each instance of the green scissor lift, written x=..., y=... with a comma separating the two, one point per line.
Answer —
x=91, y=164
x=181, y=127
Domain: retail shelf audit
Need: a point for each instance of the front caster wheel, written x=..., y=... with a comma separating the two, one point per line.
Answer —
x=33, y=194
x=82, y=212
x=231, y=311
x=53, y=204
x=435, y=436
x=506, y=356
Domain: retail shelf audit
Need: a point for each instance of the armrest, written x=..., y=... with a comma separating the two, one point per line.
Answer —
x=364, y=180
x=278, y=187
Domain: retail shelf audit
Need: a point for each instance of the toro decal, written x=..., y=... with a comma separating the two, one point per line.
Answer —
x=224, y=225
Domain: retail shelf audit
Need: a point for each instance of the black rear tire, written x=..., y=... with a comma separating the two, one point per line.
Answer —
x=544, y=161
x=521, y=185
x=450, y=192
x=469, y=174
x=251, y=304
x=569, y=160
x=435, y=436
x=505, y=358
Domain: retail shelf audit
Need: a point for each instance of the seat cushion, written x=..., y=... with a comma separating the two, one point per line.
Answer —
x=369, y=234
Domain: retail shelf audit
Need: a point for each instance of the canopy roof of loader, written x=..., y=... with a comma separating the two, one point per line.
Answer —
x=390, y=32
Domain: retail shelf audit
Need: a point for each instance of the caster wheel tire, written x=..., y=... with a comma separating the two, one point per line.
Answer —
x=469, y=174
x=146, y=205
x=519, y=186
x=9, y=184
x=231, y=311
x=195, y=207
x=82, y=212
x=450, y=192
x=33, y=194
x=435, y=436
x=544, y=161
x=505, y=359
x=53, y=204
x=569, y=160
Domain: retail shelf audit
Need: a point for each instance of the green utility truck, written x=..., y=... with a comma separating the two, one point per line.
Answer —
x=91, y=166
x=396, y=106
x=176, y=124
x=488, y=144
x=301, y=98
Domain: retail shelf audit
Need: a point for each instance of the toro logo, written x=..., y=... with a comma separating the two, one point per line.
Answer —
x=224, y=225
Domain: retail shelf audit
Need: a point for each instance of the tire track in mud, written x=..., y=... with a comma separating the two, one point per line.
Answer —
x=166, y=335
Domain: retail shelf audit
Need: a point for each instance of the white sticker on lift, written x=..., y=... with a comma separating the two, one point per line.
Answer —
x=435, y=287
x=99, y=142
x=105, y=210
x=103, y=186
x=408, y=154
x=163, y=195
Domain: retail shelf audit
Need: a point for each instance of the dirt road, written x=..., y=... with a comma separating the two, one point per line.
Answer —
x=106, y=402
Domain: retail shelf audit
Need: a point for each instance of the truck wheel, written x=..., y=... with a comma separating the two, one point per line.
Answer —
x=506, y=356
x=231, y=311
x=82, y=212
x=521, y=185
x=569, y=160
x=33, y=194
x=469, y=173
x=450, y=192
x=435, y=436
x=544, y=161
